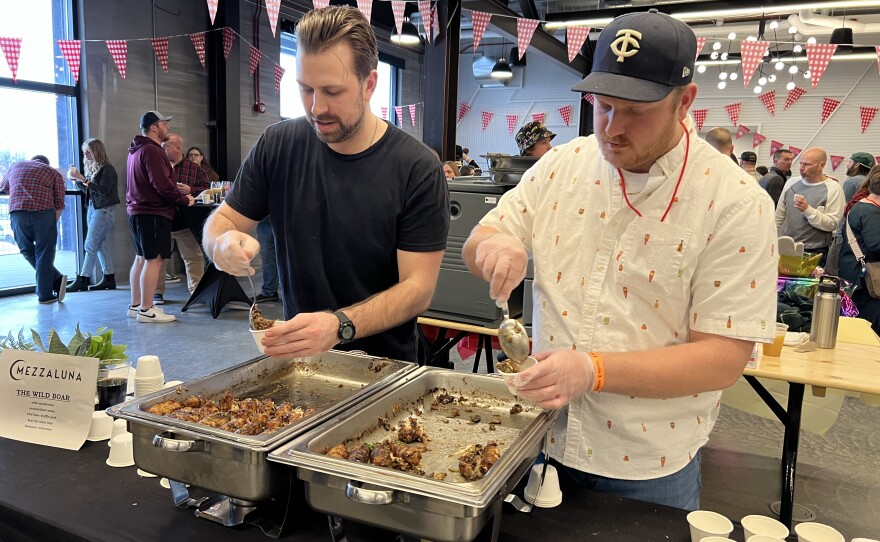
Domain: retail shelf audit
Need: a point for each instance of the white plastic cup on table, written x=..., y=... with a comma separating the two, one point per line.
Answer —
x=705, y=523
x=763, y=538
x=548, y=494
x=101, y=427
x=817, y=532
x=148, y=366
x=172, y=383
x=756, y=524
x=121, y=451
x=865, y=540
x=120, y=426
x=718, y=539
x=146, y=386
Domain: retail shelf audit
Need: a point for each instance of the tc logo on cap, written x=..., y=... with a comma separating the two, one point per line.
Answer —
x=625, y=39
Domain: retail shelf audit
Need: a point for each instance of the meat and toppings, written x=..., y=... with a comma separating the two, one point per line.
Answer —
x=258, y=321
x=516, y=409
x=390, y=454
x=411, y=431
x=243, y=416
x=477, y=460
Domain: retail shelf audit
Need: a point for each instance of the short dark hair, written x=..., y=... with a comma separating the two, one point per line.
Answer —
x=778, y=154
x=40, y=158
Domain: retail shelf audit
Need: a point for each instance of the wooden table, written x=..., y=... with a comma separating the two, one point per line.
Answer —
x=437, y=353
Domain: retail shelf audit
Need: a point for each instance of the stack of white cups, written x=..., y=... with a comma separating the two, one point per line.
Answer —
x=148, y=376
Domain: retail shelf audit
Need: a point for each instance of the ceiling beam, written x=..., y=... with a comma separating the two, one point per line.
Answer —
x=528, y=9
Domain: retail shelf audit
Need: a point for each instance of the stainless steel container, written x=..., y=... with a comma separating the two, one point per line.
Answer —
x=506, y=162
x=826, y=312
x=450, y=510
x=235, y=465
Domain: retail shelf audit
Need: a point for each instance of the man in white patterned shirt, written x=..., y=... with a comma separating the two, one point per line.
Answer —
x=655, y=271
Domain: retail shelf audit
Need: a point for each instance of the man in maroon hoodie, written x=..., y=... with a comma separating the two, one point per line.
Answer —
x=151, y=196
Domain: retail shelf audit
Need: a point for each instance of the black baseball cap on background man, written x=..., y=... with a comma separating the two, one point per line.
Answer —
x=152, y=117
x=641, y=57
x=749, y=156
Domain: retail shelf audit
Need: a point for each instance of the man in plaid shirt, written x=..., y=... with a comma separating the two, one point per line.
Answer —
x=36, y=200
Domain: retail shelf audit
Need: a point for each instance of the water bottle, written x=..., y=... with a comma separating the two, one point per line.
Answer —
x=826, y=312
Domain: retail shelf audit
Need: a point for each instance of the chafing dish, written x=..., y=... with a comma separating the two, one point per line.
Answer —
x=449, y=510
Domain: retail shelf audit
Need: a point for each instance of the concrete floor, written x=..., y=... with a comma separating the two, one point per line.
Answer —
x=838, y=472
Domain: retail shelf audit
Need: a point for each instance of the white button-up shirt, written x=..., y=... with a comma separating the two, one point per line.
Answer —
x=609, y=280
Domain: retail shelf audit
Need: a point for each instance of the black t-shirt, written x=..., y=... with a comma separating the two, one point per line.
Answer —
x=340, y=219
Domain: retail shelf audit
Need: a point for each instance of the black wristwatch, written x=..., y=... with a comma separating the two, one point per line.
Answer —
x=346, y=328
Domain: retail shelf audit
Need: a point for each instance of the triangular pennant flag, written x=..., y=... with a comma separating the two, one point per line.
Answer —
x=198, y=40
x=539, y=117
x=486, y=117
x=575, y=36
x=272, y=9
x=769, y=101
x=399, y=110
x=511, y=122
x=212, y=9
x=867, y=115
x=70, y=49
x=775, y=146
x=793, y=96
x=525, y=28
x=435, y=23
x=318, y=4
x=836, y=161
x=366, y=7
x=412, y=114
x=119, y=51
x=228, y=39
x=700, y=43
x=757, y=139
x=565, y=113
x=818, y=57
x=743, y=130
x=12, y=49
x=752, y=52
x=794, y=151
x=398, y=7
x=733, y=111
x=481, y=21
x=463, y=109
x=699, y=117
x=160, y=46
x=279, y=73
x=254, y=60
x=590, y=98
x=425, y=11
x=828, y=107
x=385, y=113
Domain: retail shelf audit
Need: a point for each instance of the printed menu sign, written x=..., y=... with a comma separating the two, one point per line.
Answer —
x=47, y=398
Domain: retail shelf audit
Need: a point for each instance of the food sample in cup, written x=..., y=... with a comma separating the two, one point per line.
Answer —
x=258, y=321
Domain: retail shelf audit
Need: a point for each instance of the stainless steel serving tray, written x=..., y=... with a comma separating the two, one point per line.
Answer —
x=449, y=510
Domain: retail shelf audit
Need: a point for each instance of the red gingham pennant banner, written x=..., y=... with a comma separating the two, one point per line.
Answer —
x=481, y=21
x=318, y=4
x=828, y=107
x=539, y=117
x=435, y=23
x=733, y=111
x=160, y=46
x=425, y=11
x=385, y=113
x=769, y=101
x=486, y=117
x=279, y=73
x=272, y=9
x=12, y=49
x=366, y=7
x=119, y=51
x=775, y=146
x=757, y=139
x=793, y=96
x=228, y=39
x=398, y=7
x=743, y=130
x=212, y=9
x=700, y=43
x=836, y=161
x=198, y=39
x=818, y=56
x=399, y=110
x=565, y=113
x=463, y=109
x=525, y=29
x=699, y=117
x=254, y=60
x=70, y=49
x=575, y=36
x=412, y=114
x=867, y=115
x=511, y=122
x=795, y=151
x=752, y=52
x=590, y=98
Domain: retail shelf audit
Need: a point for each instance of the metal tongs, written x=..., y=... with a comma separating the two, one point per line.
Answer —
x=512, y=336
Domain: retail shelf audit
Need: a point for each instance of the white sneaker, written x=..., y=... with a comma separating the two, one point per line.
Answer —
x=154, y=315
x=133, y=311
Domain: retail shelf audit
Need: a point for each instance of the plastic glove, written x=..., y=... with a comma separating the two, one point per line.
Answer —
x=503, y=260
x=233, y=252
x=559, y=378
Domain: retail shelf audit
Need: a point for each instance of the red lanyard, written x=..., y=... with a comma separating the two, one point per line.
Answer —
x=687, y=150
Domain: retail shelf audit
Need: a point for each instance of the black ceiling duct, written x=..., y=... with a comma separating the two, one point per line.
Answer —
x=843, y=37
x=514, y=57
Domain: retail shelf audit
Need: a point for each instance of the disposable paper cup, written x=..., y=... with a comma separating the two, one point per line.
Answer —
x=172, y=383
x=817, y=532
x=864, y=540
x=547, y=495
x=101, y=428
x=719, y=539
x=258, y=334
x=145, y=474
x=763, y=538
x=148, y=366
x=529, y=362
x=704, y=523
x=774, y=349
x=120, y=426
x=121, y=451
x=147, y=386
x=764, y=525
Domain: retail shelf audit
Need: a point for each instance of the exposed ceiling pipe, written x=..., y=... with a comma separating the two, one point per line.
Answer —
x=811, y=24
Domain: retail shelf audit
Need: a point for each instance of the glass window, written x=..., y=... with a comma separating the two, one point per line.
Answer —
x=39, y=24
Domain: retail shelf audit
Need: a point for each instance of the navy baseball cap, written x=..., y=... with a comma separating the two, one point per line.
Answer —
x=749, y=156
x=152, y=117
x=641, y=57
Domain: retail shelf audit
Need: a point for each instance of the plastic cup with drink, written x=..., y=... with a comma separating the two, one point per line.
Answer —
x=774, y=349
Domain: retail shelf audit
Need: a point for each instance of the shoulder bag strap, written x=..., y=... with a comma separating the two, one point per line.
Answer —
x=853, y=244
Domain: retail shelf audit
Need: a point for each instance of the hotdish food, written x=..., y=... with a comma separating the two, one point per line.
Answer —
x=258, y=321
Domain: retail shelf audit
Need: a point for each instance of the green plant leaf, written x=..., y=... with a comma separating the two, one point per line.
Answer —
x=37, y=340
x=56, y=345
x=83, y=348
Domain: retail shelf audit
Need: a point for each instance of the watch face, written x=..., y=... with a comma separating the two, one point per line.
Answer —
x=347, y=332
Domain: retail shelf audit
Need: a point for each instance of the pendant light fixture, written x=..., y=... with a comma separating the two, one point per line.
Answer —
x=409, y=35
x=501, y=69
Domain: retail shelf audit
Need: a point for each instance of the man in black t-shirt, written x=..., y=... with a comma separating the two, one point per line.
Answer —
x=359, y=208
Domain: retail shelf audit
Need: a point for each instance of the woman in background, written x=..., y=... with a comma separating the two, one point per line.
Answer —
x=450, y=170
x=100, y=183
x=863, y=216
x=195, y=154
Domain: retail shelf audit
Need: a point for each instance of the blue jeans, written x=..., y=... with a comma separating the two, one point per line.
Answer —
x=267, y=250
x=98, y=241
x=679, y=490
x=35, y=234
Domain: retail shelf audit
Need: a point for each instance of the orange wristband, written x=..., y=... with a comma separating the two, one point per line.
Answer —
x=599, y=370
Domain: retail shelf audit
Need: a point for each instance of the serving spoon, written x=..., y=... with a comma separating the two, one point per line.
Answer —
x=512, y=336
